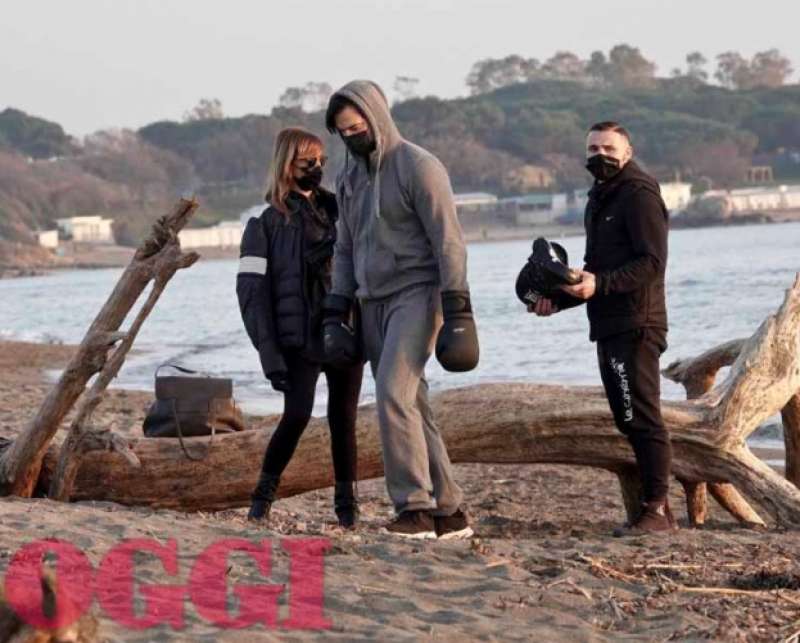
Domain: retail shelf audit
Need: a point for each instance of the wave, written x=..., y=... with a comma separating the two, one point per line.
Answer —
x=30, y=336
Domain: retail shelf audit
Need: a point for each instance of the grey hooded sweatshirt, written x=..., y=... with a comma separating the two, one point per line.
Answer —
x=397, y=217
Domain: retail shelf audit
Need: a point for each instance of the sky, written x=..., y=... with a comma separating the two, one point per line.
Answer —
x=97, y=64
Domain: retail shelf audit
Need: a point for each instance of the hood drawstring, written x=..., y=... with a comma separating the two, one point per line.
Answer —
x=376, y=198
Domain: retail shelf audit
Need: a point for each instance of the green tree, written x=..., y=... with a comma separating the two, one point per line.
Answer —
x=733, y=71
x=405, y=87
x=494, y=73
x=206, y=109
x=32, y=136
x=564, y=65
x=724, y=162
x=770, y=69
x=311, y=97
x=696, y=62
x=598, y=69
x=629, y=68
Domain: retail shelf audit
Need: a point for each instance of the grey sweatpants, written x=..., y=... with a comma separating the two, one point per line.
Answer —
x=399, y=335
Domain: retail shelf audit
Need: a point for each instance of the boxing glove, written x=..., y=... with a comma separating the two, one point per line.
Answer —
x=457, y=344
x=339, y=340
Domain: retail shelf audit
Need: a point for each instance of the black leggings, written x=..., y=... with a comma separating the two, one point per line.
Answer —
x=629, y=370
x=344, y=387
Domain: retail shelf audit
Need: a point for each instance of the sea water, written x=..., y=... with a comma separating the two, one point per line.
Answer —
x=721, y=284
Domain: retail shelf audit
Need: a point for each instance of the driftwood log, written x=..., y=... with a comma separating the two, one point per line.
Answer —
x=502, y=423
x=81, y=438
x=697, y=376
x=156, y=259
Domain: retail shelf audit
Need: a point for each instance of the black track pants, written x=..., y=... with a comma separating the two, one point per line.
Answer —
x=630, y=372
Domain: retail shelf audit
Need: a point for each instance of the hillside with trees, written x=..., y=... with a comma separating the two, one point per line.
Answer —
x=521, y=129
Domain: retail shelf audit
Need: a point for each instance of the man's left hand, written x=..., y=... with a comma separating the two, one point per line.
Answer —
x=583, y=290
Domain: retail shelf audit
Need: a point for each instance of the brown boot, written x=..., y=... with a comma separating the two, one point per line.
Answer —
x=654, y=517
x=668, y=512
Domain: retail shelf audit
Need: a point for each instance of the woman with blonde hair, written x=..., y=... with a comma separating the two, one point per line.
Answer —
x=284, y=276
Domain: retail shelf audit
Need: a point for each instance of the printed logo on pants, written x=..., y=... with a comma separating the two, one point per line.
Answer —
x=624, y=387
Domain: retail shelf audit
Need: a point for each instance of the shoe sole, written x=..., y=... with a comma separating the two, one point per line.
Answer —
x=420, y=535
x=460, y=534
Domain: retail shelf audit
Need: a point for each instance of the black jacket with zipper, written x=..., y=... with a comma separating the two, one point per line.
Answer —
x=626, y=225
x=283, y=277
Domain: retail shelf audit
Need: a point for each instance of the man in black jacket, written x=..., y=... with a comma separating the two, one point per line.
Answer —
x=623, y=287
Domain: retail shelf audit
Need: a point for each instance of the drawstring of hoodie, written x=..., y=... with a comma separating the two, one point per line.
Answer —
x=376, y=194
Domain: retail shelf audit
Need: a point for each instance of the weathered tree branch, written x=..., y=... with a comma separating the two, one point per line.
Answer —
x=696, y=502
x=21, y=462
x=732, y=501
x=697, y=375
x=790, y=415
x=765, y=375
x=167, y=262
x=508, y=423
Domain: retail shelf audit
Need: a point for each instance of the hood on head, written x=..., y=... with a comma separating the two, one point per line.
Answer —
x=370, y=99
x=635, y=174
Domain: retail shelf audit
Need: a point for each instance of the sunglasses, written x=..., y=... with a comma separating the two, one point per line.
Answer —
x=307, y=164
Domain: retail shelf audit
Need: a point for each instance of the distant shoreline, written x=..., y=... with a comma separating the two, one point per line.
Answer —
x=119, y=257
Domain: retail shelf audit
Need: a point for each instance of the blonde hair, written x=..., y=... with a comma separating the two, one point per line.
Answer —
x=289, y=144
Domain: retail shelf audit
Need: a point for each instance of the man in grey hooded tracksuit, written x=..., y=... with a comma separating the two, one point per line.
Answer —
x=400, y=249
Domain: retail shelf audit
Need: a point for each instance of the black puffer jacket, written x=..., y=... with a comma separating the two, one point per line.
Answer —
x=626, y=248
x=284, y=273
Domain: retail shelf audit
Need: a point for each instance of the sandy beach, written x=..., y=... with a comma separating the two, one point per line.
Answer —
x=542, y=567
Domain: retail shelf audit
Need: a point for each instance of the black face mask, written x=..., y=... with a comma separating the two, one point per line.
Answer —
x=361, y=144
x=310, y=180
x=603, y=167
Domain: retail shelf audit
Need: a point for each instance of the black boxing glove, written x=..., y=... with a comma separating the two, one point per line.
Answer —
x=338, y=337
x=457, y=344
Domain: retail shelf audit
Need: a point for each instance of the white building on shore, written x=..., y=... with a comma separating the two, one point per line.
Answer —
x=226, y=234
x=543, y=208
x=48, y=239
x=88, y=229
x=676, y=195
x=757, y=199
x=467, y=201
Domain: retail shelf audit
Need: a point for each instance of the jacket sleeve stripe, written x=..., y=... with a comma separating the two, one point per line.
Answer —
x=250, y=264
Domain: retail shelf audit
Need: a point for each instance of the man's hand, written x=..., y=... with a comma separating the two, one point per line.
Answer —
x=583, y=290
x=543, y=307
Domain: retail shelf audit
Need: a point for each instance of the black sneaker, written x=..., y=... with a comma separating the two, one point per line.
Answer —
x=412, y=524
x=454, y=526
